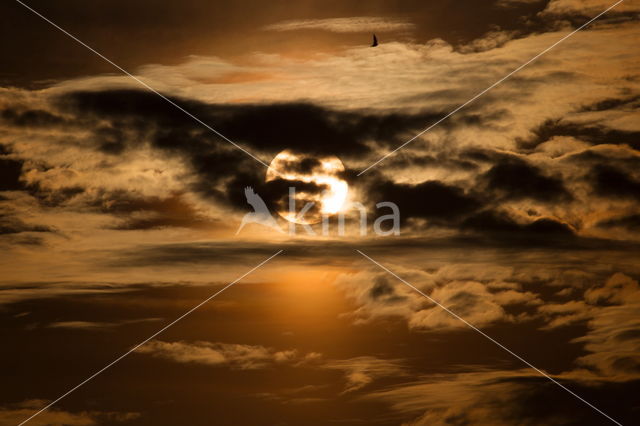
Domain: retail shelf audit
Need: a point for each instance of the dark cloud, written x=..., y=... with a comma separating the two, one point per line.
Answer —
x=631, y=102
x=123, y=120
x=631, y=222
x=402, y=159
x=10, y=172
x=151, y=212
x=54, y=197
x=500, y=224
x=590, y=159
x=595, y=134
x=112, y=139
x=13, y=225
x=478, y=209
x=268, y=128
x=30, y=118
x=484, y=155
x=128, y=119
x=613, y=183
x=432, y=200
x=276, y=193
x=336, y=252
x=304, y=166
x=514, y=178
x=384, y=292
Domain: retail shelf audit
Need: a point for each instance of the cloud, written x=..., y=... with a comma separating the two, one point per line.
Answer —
x=491, y=40
x=500, y=166
x=355, y=24
x=18, y=412
x=563, y=314
x=127, y=180
x=13, y=225
x=18, y=293
x=586, y=7
x=361, y=371
x=358, y=371
x=141, y=213
x=494, y=201
x=141, y=119
x=610, y=182
x=619, y=288
x=631, y=222
x=488, y=397
x=503, y=226
x=430, y=200
x=269, y=127
x=243, y=357
x=613, y=336
x=379, y=295
x=592, y=133
x=514, y=3
x=471, y=301
x=10, y=172
x=614, y=329
x=93, y=325
x=514, y=178
x=434, y=398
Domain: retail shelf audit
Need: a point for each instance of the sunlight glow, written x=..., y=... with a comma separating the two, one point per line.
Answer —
x=326, y=172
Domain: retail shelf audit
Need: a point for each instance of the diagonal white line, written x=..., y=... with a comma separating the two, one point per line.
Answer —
x=150, y=337
x=491, y=338
x=144, y=84
x=492, y=86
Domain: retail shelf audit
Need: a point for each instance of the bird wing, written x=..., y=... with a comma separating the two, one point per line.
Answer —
x=255, y=201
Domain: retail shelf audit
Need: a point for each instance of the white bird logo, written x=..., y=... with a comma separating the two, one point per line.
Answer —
x=260, y=214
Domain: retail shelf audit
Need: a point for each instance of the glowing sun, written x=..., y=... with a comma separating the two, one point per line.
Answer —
x=317, y=180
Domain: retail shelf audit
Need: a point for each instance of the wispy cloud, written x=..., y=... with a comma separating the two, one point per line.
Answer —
x=244, y=357
x=14, y=294
x=96, y=325
x=361, y=371
x=356, y=24
x=482, y=398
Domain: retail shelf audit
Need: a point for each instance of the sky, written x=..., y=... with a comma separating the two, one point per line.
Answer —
x=509, y=294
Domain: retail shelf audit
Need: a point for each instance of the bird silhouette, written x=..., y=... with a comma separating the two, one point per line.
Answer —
x=260, y=212
x=375, y=41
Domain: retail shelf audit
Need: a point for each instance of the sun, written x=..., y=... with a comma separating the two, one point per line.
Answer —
x=316, y=179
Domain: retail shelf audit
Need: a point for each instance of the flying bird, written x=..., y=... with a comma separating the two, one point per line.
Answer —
x=260, y=212
x=375, y=41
